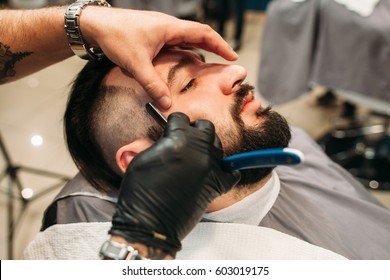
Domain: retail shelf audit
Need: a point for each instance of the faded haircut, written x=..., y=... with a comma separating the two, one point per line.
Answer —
x=99, y=120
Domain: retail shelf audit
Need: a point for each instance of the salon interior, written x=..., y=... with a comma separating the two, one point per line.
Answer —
x=325, y=67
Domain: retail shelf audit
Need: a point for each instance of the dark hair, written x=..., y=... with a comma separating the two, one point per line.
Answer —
x=77, y=124
x=99, y=120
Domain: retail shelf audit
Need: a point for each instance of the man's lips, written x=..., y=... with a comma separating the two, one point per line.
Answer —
x=249, y=102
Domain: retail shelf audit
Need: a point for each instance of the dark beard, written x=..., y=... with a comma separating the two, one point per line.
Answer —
x=273, y=132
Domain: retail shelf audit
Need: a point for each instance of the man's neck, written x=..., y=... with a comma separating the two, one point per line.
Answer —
x=235, y=195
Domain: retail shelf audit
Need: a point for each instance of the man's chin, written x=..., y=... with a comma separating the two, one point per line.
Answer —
x=272, y=132
x=250, y=177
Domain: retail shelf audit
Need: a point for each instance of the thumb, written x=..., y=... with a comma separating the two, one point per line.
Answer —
x=153, y=84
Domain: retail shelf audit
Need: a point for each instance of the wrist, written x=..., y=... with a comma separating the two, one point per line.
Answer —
x=158, y=245
x=90, y=24
x=77, y=40
x=144, y=251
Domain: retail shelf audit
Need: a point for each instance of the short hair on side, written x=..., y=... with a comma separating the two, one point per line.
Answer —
x=98, y=120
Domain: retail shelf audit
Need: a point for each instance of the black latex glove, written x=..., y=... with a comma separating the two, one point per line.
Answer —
x=168, y=187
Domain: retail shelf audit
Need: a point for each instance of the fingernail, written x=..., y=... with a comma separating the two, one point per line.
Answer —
x=165, y=102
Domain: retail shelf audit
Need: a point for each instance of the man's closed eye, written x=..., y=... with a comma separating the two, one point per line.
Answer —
x=188, y=86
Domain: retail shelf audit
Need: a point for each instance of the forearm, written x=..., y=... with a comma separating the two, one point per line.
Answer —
x=31, y=40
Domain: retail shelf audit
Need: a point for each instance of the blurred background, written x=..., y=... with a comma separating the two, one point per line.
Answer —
x=323, y=64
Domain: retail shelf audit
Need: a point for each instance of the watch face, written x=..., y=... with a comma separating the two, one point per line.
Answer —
x=113, y=250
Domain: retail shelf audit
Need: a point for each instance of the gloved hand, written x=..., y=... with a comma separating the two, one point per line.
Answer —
x=168, y=187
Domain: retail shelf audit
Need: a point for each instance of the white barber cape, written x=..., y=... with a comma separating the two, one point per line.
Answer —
x=207, y=241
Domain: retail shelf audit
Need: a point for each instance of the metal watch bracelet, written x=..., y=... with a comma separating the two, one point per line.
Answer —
x=72, y=28
x=112, y=250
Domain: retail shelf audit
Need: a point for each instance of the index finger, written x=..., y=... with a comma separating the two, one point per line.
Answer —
x=176, y=121
x=202, y=35
x=209, y=129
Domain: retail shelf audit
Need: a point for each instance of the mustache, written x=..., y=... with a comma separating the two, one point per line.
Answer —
x=235, y=109
x=239, y=100
x=242, y=92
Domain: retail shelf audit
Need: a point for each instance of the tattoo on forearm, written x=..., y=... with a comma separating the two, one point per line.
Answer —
x=8, y=60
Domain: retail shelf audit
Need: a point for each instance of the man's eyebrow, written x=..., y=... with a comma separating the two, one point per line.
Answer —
x=183, y=62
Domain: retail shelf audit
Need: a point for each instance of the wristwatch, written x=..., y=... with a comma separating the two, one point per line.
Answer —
x=72, y=28
x=112, y=250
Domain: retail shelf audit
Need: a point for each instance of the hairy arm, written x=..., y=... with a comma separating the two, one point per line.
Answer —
x=31, y=40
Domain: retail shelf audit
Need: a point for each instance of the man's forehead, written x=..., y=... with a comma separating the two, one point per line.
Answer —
x=177, y=53
x=120, y=77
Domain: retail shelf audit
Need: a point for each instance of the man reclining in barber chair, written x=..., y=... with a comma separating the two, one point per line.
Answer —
x=313, y=210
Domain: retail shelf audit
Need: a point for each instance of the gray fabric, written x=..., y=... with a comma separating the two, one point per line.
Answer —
x=79, y=202
x=323, y=42
x=206, y=241
x=319, y=202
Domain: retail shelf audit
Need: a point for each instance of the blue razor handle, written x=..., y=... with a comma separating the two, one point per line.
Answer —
x=262, y=158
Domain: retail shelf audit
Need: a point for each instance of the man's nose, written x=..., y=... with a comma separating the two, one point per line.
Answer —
x=231, y=77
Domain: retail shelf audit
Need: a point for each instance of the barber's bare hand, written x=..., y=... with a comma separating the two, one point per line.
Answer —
x=132, y=39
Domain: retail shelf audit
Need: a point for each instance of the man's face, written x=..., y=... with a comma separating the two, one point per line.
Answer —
x=206, y=91
x=216, y=92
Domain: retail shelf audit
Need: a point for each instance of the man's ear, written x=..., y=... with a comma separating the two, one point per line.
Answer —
x=127, y=153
